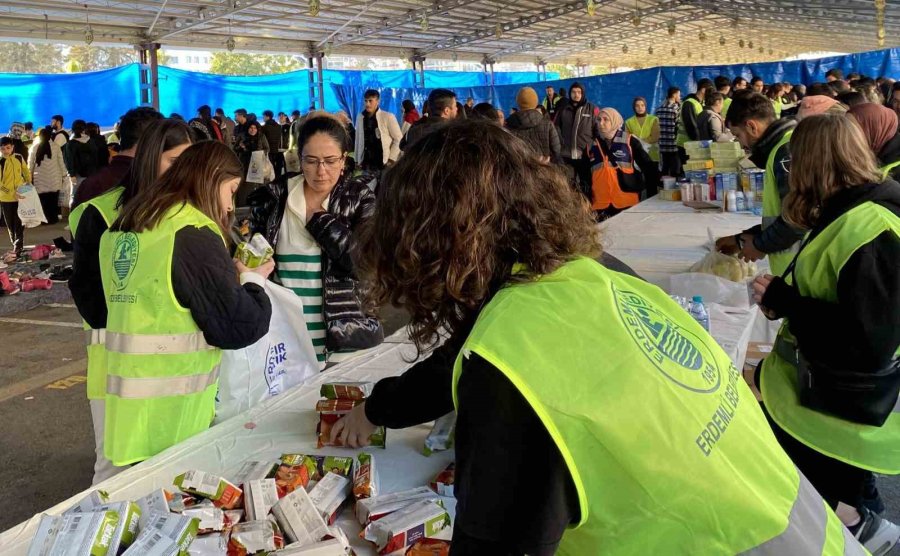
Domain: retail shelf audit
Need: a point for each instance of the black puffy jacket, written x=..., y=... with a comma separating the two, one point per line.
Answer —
x=350, y=203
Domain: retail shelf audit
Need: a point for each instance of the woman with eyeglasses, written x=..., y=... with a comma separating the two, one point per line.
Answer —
x=310, y=220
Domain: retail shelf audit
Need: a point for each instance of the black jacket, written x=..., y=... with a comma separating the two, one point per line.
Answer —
x=577, y=125
x=351, y=202
x=418, y=130
x=889, y=154
x=779, y=235
x=862, y=329
x=537, y=130
x=272, y=130
x=231, y=316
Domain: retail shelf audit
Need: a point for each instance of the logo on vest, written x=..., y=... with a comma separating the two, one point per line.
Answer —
x=679, y=354
x=125, y=256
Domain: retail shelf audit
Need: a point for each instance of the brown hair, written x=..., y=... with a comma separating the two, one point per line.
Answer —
x=466, y=203
x=828, y=153
x=193, y=179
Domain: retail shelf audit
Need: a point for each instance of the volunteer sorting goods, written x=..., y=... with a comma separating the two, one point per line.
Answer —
x=594, y=414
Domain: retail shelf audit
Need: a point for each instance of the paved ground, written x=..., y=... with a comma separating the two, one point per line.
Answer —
x=46, y=441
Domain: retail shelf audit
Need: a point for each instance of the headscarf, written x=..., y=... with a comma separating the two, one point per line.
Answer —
x=636, y=99
x=616, y=122
x=814, y=105
x=879, y=124
x=16, y=130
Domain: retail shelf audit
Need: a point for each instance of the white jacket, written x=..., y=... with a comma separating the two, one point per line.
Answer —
x=389, y=132
x=51, y=174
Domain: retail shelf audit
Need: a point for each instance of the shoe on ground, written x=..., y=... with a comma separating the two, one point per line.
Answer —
x=877, y=534
x=62, y=276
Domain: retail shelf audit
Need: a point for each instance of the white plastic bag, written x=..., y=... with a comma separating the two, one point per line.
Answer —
x=712, y=288
x=724, y=266
x=280, y=360
x=30, y=211
x=256, y=172
x=291, y=161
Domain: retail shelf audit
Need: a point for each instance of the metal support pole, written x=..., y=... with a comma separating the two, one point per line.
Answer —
x=422, y=72
x=320, y=63
x=491, y=69
x=149, y=74
x=311, y=74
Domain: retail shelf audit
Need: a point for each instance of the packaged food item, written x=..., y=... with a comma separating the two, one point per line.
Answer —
x=251, y=537
x=338, y=545
x=375, y=508
x=89, y=503
x=254, y=471
x=156, y=501
x=405, y=527
x=259, y=497
x=254, y=253
x=346, y=390
x=214, y=544
x=299, y=518
x=127, y=527
x=222, y=492
x=210, y=517
x=232, y=518
x=330, y=412
x=329, y=495
x=291, y=476
x=318, y=466
x=179, y=528
x=365, y=479
x=75, y=534
x=429, y=547
x=443, y=483
x=154, y=543
x=441, y=436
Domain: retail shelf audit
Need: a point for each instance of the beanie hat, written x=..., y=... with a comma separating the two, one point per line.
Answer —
x=527, y=99
x=814, y=105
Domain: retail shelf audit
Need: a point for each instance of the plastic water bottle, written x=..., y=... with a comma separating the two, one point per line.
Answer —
x=698, y=311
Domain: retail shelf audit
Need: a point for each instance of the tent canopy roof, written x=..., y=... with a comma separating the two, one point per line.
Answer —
x=621, y=32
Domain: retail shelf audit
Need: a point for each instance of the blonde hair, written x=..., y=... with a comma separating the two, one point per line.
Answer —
x=829, y=153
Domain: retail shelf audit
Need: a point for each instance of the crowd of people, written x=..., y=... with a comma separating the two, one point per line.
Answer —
x=482, y=227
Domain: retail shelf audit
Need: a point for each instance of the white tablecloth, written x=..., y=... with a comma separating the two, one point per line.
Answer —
x=285, y=424
x=660, y=238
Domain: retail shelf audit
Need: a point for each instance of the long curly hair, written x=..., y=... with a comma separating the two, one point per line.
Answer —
x=464, y=205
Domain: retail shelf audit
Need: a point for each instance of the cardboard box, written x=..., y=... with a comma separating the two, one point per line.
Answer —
x=330, y=494
x=365, y=477
x=154, y=543
x=405, y=527
x=179, y=528
x=346, y=390
x=372, y=509
x=259, y=497
x=75, y=534
x=330, y=412
x=222, y=492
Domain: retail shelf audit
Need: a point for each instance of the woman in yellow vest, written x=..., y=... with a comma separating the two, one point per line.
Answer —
x=173, y=301
x=594, y=415
x=832, y=384
x=645, y=127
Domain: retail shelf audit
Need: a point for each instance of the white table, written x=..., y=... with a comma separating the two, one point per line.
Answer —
x=285, y=424
x=660, y=238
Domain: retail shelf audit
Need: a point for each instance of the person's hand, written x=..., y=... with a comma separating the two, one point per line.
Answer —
x=354, y=429
x=749, y=252
x=727, y=245
x=760, y=285
x=263, y=270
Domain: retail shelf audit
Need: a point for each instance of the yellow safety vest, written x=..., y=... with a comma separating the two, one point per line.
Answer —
x=682, y=136
x=643, y=132
x=667, y=448
x=725, y=106
x=95, y=339
x=816, y=272
x=778, y=262
x=886, y=169
x=161, y=374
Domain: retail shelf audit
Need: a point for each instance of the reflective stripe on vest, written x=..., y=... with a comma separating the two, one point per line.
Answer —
x=778, y=262
x=686, y=427
x=148, y=388
x=806, y=530
x=886, y=170
x=149, y=344
x=817, y=272
x=95, y=336
x=96, y=354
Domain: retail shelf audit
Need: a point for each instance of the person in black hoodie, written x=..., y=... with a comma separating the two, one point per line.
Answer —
x=578, y=125
x=311, y=220
x=841, y=300
x=530, y=125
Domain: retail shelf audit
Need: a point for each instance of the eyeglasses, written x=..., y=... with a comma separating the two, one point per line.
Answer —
x=329, y=163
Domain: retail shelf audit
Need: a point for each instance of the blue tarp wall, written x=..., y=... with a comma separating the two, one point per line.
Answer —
x=619, y=89
x=104, y=95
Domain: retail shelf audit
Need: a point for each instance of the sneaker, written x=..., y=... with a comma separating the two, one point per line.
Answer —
x=63, y=275
x=35, y=284
x=876, y=534
x=57, y=254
